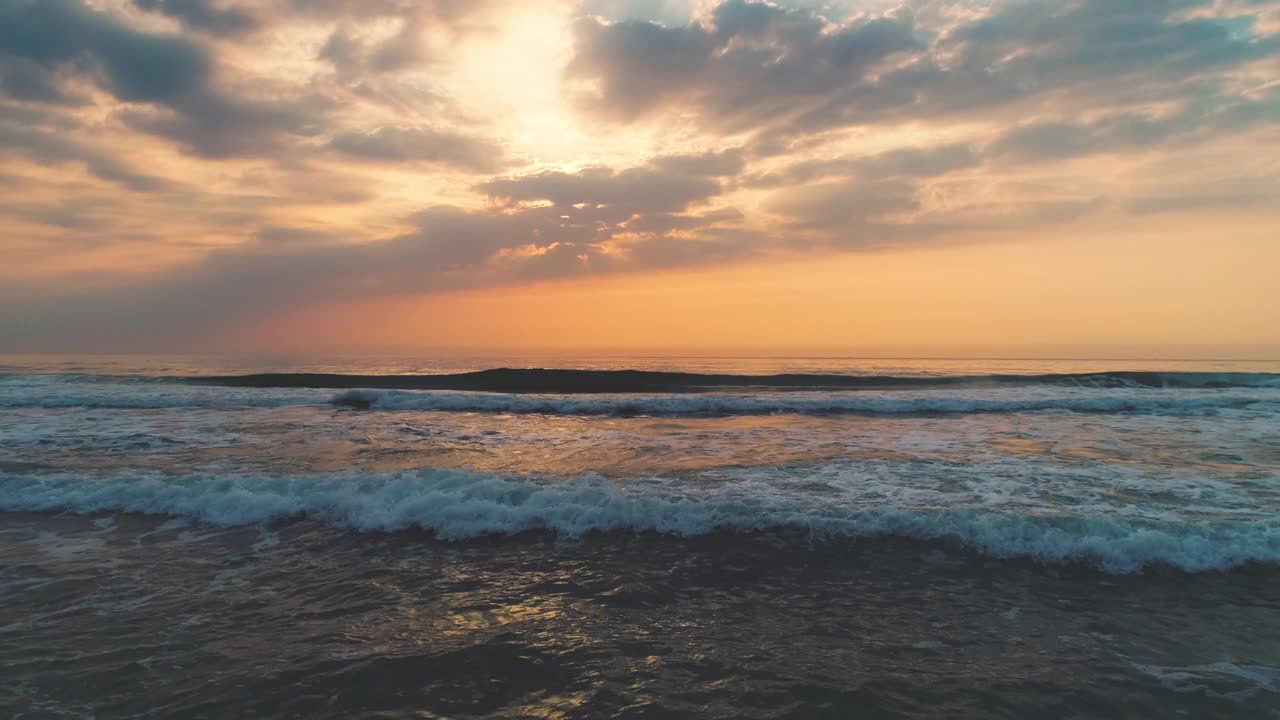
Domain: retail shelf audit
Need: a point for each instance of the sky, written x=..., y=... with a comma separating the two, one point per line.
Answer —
x=1016, y=178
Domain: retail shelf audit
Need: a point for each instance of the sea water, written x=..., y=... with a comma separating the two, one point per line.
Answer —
x=638, y=537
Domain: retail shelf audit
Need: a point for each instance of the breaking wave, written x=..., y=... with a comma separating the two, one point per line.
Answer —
x=956, y=401
x=457, y=505
x=536, y=380
x=794, y=403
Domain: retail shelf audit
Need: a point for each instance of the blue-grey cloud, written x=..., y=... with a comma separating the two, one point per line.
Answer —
x=723, y=163
x=172, y=74
x=844, y=204
x=749, y=65
x=134, y=66
x=753, y=97
x=912, y=162
x=50, y=148
x=420, y=144
x=23, y=79
x=1213, y=119
x=666, y=223
x=450, y=248
x=754, y=67
x=614, y=194
x=205, y=15
x=353, y=57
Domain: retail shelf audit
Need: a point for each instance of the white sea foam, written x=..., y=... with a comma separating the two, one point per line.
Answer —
x=893, y=402
x=461, y=504
x=155, y=395
x=50, y=392
x=1222, y=679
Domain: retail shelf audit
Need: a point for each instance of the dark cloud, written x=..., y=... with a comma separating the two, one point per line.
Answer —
x=402, y=50
x=917, y=162
x=280, y=236
x=354, y=57
x=450, y=249
x=640, y=66
x=724, y=163
x=748, y=65
x=87, y=215
x=665, y=223
x=620, y=193
x=134, y=66
x=217, y=125
x=410, y=144
x=843, y=205
x=603, y=195
x=171, y=73
x=1230, y=191
x=783, y=73
x=205, y=15
x=1023, y=81
x=342, y=50
x=50, y=148
x=22, y=79
x=1095, y=44
x=1128, y=131
x=598, y=221
x=357, y=57
x=439, y=11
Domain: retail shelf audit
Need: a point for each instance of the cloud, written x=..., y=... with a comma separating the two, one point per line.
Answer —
x=913, y=162
x=1211, y=119
x=48, y=148
x=725, y=163
x=619, y=194
x=666, y=223
x=353, y=56
x=759, y=68
x=205, y=15
x=439, y=11
x=419, y=144
x=134, y=66
x=744, y=66
x=22, y=79
x=217, y=125
x=312, y=151
x=357, y=54
x=844, y=205
x=545, y=226
x=450, y=248
x=172, y=73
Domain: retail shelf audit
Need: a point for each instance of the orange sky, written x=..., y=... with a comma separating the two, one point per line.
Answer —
x=932, y=178
x=1077, y=296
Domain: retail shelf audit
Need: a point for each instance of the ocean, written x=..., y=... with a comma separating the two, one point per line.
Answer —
x=638, y=537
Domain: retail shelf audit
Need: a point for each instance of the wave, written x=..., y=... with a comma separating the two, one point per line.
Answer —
x=112, y=396
x=509, y=380
x=129, y=396
x=458, y=505
x=807, y=403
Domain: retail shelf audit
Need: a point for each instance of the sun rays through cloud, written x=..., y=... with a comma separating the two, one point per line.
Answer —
x=203, y=173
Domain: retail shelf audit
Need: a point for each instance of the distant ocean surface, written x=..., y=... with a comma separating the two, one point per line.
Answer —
x=635, y=537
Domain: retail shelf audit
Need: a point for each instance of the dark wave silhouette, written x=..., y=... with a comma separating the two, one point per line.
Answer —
x=511, y=380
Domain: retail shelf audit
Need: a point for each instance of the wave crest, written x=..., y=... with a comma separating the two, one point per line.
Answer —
x=789, y=403
x=565, y=381
x=457, y=505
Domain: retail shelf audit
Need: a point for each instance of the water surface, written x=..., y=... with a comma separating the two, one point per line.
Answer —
x=930, y=539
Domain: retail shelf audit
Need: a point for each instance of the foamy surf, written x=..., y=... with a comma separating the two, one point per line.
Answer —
x=870, y=403
x=459, y=505
x=574, y=381
x=1152, y=393
x=111, y=396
